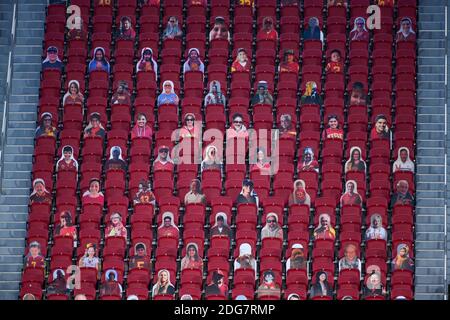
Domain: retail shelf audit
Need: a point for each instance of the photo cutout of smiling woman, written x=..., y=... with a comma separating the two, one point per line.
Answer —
x=219, y=30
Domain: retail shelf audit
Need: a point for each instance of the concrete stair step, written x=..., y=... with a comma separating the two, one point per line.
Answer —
x=18, y=208
x=11, y=289
x=421, y=93
x=429, y=186
x=432, y=152
x=428, y=255
x=434, y=3
x=433, y=106
x=431, y=135
x=5, y=45
x=436, y=297
x=19, y=149
x=9, y=295
x=5, y=40
x=21, y=124
x=430, y=279
x=16, y=192
x=30, y=50
x=433, y=161
x=18, y=166
x=432, y=25
x=430, y=143
x=14, y=199
x=422, y=126
x=24, y=58
x=23, y=103
x=429, y=271
x=429, y=245
x=24, y=175
x=12, y=225
x=429, y=263
x=17, y=133
x=19, y=99
x=34, y=83
x=25, y=75
x=429, y=10
x=11, y=259
x=6, y=6
x=41, y=2
x=16, y=217
x=26, y=24
x=14, y=183
x=11, y=273
x=430, y=69
x=19, y=243
x=428, y=118
x=430, y=232
x=32, y=8
x=432, y=85
x=430, y=211
x=422, y=159
x=20, y=140
x=18, y=157
x=431, y=77
x=25, y=90
x=23, y=116
x=423, y=270
x=12, y=233
x=432, y=34
x=32, y=41
x=429, y=202
x=11, y=270
x=37, y=16
x=22, y=107
x=431, y=16
x=5, y=22
x=429, y=194
x=434, y=290
x=426, y=212
x=32, y=33
x=431, y=52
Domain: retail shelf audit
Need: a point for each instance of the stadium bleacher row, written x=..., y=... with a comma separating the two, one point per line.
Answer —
x=342, y=95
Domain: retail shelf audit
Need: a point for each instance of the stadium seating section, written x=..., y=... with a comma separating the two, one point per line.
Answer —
x=384, y=67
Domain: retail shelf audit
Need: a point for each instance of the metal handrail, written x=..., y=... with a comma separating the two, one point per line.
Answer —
x=7, y=94
x=446, y=201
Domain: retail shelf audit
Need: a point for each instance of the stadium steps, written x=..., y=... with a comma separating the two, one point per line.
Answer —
x=6, y=12
x=430, y=182
x=446, y=243
x=20, y=141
